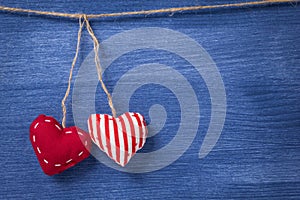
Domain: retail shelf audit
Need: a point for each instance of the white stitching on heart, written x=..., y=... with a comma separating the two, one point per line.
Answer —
x=68, y=132
x=36, y=125
x=47, y=120
x=57, y=126
x=38, y=150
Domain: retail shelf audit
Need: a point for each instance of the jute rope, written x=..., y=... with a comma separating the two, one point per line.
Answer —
x=98, y=67
x=98, y=64
x=83, y=19
x=145, y=12
x=64, y=109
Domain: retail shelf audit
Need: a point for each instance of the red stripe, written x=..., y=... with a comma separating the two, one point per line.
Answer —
x=132, y=132
x=125, y=139
x=91, y=128
x=141, y=137
x=99, y=131
x=117, y=140
x=107, y=136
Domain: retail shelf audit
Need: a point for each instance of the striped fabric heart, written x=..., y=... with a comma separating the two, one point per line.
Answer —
x=120, y=138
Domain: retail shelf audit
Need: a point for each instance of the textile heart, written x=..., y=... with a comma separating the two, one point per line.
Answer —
x=120, y=138
x=57, y=148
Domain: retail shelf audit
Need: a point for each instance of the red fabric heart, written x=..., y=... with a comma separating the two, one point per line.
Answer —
x=120, y=138
x=57, y=148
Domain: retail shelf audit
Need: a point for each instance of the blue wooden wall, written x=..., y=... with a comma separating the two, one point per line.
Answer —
x=256, y=51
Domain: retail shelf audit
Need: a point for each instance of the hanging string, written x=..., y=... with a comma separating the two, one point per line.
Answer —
x=98, y=67
x=64, y=109
x=98, y=64
x=146, y=12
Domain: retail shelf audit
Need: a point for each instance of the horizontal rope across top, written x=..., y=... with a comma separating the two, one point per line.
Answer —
x=144, y=12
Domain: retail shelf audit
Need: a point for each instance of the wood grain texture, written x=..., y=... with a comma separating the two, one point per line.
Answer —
x=257, y=53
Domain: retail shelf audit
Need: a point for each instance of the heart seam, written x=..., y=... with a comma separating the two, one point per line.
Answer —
x=59, y=128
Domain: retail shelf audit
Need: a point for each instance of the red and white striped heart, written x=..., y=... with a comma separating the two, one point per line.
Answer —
x=120, y=138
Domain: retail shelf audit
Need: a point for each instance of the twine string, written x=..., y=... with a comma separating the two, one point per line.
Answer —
x=64, y=109
x=98, y=64
x=145, y=12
